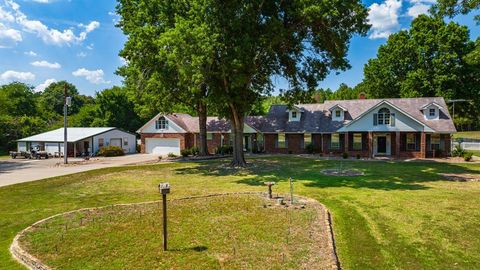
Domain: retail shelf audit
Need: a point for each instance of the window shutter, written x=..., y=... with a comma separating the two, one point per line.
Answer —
x=375, y=119
x=392, y=119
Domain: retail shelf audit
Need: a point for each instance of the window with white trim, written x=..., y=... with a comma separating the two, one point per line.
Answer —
x=294, y=114
x=435, y=142
x=335, y=141
x=357, y=141
x=338, y=113
x=384, y=117
x=432, y=112
x=281, y=140
x=161, y=123
x=307, y=139
x=411, y=141
x=125, y=141
x=101, y=142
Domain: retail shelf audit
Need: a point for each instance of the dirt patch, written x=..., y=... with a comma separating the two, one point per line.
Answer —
x=350, y=172
x=463, y=177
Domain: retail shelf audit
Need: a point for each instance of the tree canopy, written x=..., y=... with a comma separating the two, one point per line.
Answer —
x=431, y=59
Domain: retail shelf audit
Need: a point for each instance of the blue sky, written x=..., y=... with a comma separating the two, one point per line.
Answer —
x=42, y=41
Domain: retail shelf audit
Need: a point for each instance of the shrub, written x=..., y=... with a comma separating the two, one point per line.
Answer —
x=467, y=156
x=194, y=151
x=185, y=152
x=309, y=148
x=290, y=152
x=171, y=155
x=345, y=155
x=110, y=151
x=139, y=148
x=358, y=156
x=458, y=151
x=224, y=150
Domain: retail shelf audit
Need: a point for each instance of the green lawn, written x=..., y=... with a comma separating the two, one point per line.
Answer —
x=209, y=233
x=398, y=215
x=467, y=134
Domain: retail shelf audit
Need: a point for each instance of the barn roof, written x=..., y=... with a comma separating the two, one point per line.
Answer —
x=74, y=134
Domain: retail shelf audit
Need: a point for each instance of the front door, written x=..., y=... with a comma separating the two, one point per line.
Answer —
x=382, y=145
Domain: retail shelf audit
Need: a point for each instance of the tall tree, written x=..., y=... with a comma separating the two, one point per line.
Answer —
x=52, y=99
x=452, y=8
x=115, y=109
x=17, y=99
x=427, y=60
x=298, y=40
x=168, y=55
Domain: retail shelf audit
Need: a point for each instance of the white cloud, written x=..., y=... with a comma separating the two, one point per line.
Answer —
x=46, y=64
x=93, y=76
x=91, y=26
x=42, y=1
x=49, y=35
x=419, y=7
x=81, y=55
x=384, y=18
x=30, y=53
x=6, y=16
x=90, y=47
x=10, y=34
x=11, y=75
x=41, y=87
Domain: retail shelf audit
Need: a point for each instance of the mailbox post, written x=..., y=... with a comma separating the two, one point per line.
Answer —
x=164, y=189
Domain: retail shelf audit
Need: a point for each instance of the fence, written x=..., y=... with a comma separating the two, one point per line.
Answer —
x=467, y=143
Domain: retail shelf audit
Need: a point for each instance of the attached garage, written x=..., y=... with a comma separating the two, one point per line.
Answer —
x=162, y=146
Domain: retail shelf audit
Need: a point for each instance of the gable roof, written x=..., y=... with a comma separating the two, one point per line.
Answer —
x=385, y=102
x=74, y=134
x=190, y=123
x=316, y=117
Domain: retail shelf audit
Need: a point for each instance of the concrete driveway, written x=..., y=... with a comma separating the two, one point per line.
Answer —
x=14, y=171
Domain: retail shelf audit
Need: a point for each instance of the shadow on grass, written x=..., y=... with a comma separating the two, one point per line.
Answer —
x=195, y=248
x=381, y=175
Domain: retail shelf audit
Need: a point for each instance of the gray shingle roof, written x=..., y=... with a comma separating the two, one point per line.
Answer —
x=316, y=118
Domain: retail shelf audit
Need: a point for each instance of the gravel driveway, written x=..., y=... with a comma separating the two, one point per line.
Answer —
x=14, y=171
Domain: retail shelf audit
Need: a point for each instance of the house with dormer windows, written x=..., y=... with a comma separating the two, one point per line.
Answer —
x=397, y=128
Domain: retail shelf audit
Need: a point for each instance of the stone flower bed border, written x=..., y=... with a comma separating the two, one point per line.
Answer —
x=33, y=263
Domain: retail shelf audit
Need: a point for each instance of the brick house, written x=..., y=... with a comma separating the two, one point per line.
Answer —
x=399, y=128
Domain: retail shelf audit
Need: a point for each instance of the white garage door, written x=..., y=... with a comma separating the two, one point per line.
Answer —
x=162, y=146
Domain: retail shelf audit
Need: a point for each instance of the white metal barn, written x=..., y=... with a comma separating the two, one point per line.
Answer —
x=85, y=139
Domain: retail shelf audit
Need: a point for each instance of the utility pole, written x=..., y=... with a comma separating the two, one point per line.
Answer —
x=453, y=107
x=65, y=140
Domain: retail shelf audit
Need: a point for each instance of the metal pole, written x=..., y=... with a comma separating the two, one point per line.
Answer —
x=291, y=190
x=164, y=198
x=65, y=141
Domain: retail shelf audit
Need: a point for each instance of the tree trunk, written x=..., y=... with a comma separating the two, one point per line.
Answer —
x=237, y=133
x=202, y=123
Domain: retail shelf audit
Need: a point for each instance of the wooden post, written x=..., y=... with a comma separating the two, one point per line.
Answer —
x=164, y=189
x=346, y=142
x=370, y=144
x=164, y=199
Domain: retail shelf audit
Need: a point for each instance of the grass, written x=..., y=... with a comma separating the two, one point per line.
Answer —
x=467, y=134
x=4, y=154
x=208, y=233
x=399, y=215
x=475, y=152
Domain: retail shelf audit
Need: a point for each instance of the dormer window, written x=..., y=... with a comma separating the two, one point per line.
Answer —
x=294, y=114
x=432, y=112
x=337, y=113
x=384, y=117
x=161, y=123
